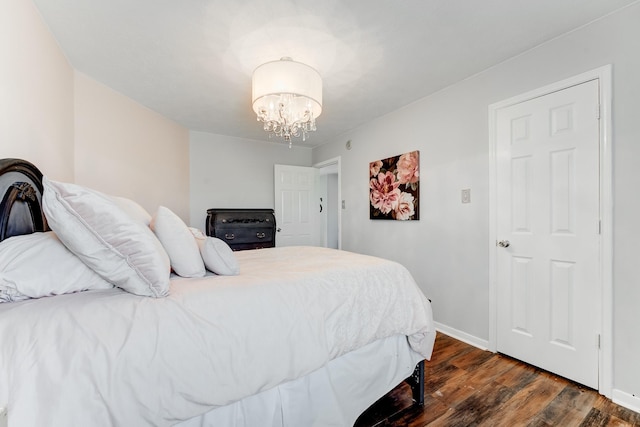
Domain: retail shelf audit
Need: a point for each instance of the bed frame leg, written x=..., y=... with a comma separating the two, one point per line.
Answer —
x=416, y=381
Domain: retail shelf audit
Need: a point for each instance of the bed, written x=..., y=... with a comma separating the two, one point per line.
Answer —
x=294, y=336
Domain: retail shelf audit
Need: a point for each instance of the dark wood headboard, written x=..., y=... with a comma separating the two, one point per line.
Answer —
x=21, y=192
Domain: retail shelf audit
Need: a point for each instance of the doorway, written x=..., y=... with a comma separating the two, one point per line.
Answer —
x=550, y=257
x=330, y=202
x=308, y=204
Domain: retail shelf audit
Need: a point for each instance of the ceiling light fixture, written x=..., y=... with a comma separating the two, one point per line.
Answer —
x=287, y=97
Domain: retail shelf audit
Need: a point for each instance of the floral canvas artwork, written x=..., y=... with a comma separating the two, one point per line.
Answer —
x=394, y=187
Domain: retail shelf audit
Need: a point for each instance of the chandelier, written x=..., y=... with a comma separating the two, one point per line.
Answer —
x=287, y=98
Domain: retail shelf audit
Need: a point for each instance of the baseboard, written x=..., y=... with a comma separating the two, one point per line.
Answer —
x=462, y=336
x=629, y=401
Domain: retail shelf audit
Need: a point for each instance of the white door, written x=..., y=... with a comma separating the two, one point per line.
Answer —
x=547, y=204
x=297, y=206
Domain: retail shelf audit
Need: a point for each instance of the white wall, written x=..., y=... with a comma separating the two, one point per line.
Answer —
x=447, y=250
x=36, y=92
x=229, y=172
x=125, y=149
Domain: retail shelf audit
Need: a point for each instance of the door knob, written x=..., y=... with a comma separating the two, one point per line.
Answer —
x=504, y=243
x=278, y=229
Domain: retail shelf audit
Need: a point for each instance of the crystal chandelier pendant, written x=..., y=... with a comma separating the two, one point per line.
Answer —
x=287, y=98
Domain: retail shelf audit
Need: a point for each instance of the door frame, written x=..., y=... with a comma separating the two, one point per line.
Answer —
x=330, y=162
x=603, y=75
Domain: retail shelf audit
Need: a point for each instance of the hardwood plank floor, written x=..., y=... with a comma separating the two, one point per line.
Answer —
x=466, y=386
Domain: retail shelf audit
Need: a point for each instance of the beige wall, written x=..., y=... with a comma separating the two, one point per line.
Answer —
x=36, y=92
x=77, y=130
x=125, y=149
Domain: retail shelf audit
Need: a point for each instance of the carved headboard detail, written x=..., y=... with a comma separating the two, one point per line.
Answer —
x=21, y=192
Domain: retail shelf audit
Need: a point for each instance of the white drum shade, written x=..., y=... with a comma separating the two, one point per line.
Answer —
x=286, y=77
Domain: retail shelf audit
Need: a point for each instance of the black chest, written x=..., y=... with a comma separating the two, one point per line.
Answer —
x=243, y=228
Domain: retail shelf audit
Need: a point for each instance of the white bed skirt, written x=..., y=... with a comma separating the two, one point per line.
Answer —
x=334, y=395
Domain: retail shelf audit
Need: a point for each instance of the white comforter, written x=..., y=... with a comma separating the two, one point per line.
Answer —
x=112, y=358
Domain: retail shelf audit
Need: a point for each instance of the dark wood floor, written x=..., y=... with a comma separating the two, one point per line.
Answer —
x=466, y=386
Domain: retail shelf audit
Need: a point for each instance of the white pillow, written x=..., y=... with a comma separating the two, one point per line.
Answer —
x=123, y=251
x=217, y=255
x=178, y=241
x=39, y=265
x=133, y=209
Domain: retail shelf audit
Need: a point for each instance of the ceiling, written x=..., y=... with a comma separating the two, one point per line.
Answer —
x=192, y=60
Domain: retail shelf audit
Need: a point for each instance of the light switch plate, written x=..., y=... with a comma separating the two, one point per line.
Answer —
x=466, y=195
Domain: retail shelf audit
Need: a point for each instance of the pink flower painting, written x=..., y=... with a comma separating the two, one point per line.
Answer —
x=384, y=194
x=394, y=187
